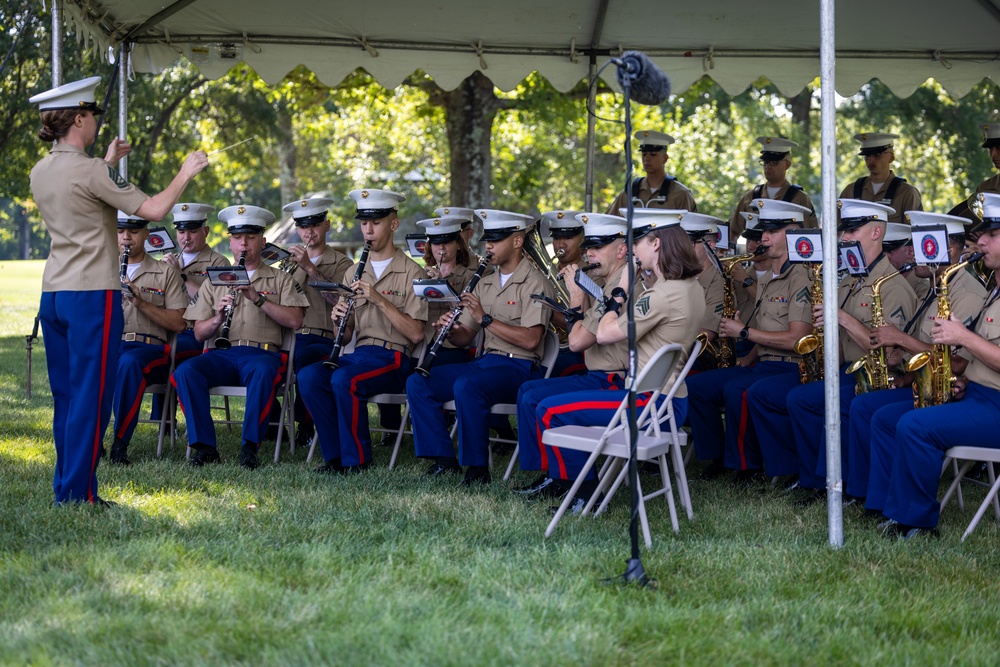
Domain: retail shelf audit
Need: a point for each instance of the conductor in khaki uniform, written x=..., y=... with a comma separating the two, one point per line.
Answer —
x=775, y=159
x=656, y=189
x=315, y=261
x=781, y=315
x=881, y=185
x=78, y=198
x=514, y=328
x=388, y=322
x=261, y=311
x=154, y=303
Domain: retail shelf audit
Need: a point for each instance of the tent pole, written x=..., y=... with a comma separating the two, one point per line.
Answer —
x=123, y=69
x=57, y=43
x=831, y=338
x=588, y=197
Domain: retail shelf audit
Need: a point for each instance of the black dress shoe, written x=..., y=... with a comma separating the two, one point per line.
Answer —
x=203, y=454
x=576, y=507
x=303, y=436
x=748, y=478
x=438, y=469
x=543, y=487
x=331, y=467
x=853, y=500
x=248, y=456
x=354, y=470
x=119, y=454
x=895, y=530
x=812, y=497
x=101, y=502
x=477, y=475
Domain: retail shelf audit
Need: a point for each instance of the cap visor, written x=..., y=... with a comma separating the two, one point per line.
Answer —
x=495, y=235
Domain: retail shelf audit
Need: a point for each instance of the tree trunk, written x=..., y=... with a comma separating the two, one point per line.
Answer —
x=469, y=113
x=286, y=156
x=800, y=106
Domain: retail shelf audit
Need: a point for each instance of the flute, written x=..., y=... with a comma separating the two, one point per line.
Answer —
x=425, y=368
x=333, y=362
x=223, y=342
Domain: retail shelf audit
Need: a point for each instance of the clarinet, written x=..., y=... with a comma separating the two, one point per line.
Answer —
x=123, y=271
x=223, y=342
x=333, y=362
x=425, y=367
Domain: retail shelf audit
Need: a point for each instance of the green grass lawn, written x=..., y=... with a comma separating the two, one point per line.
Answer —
x=282, y=566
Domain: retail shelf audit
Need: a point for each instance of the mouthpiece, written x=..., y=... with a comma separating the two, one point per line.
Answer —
x=560, y=252
x=590, y=267
x=760, y=250
x=972, y=257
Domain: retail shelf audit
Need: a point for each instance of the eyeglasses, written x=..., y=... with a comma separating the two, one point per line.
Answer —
x=768, y=163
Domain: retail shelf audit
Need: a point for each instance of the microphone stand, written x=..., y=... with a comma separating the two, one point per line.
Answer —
x=634, y=571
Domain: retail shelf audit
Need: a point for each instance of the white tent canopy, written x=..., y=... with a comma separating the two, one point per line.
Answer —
x=902, y=43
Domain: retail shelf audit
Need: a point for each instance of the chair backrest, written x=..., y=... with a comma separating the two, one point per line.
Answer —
x=654, y=374
x=550, y=352
x=665, y=410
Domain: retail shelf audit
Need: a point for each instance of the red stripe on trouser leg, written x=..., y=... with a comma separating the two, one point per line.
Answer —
x=572, y=407
x=266, y=413
x=137, y=402
x=741, y=433
x=541, y=447
x=98, y=436
x=355, y=403
x=173, y=381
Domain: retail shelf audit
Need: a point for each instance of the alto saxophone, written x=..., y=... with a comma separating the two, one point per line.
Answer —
x=932, y=370
x=726, y=351
x=810, y=346
x=871, y=371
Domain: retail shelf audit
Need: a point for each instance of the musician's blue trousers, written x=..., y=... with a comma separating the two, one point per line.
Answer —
x=139, y=364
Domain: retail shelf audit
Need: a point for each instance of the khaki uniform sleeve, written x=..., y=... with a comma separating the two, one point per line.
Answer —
x=202, y=307
x=176, y=296
x=290, y=293
x=898, y=301
x=104, y=183
x=800, y=304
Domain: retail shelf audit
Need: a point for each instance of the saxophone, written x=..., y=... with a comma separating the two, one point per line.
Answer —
x=810, y=346
x=932, y=370
x=726, y=352
x=871, y=371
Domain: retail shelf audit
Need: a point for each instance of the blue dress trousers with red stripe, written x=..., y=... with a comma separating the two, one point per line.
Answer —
x=82, y=333
x=139, y=365
x=259, y=371
x=343, y=430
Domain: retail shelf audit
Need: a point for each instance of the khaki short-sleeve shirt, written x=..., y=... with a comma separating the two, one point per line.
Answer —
x=784, y=299
x=195, y=269
x=920, y=286
x=160, y=284
x=78, y=198
x=991, y=184
x=670, y=312
x=458, y=279
x=989, y=328
x=966, y=296
x=855, y=294
x=678, y=197
x=332, y=264
x=714, y=285
x=605, y=358
x=250, y=322
x=907, y=197
x=737, y=224
x=396, y=285
x=512, y=304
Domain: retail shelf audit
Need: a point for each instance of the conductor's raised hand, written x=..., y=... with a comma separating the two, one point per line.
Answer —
x=193, y=164
x=117, y=149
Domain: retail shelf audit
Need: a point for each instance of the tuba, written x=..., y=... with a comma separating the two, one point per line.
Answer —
x=932, y=370
x=810, y=346
x=871, y=371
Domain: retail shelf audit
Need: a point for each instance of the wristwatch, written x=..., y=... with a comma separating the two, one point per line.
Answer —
x=486, y=321
x=748, y=282
x=619, y=292
x=260, y=301
x=744, y=333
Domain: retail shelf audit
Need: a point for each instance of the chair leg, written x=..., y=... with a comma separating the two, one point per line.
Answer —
x=165, y=408
x=399, y=435
x=621, y=473
x=669, y=492
x=312, y=447
x=606, y=477
x=680, y=473
x=643, y=519
x=956, y=484
x=990, y=497
x=577, y=483
x=513, y=460
x=961, y=498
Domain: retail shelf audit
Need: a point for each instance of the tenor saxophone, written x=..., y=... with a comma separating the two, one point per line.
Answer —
x=932, y=370
x=810, y=346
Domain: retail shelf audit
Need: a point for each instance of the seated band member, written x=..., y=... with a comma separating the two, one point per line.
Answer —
x=656, y=189
x=881, y=185
x=388, y=320
x=604, y=243
x=898, y=248
x=514, y=327
x=448, y=257
x=965, y=298
x=788, y=415
x=781, y=315
x=669, y=312
x=567, y=237
x=991, y=142
x=191, y=226
x=315, y=261
x=748, y=279
x=973, y=419
x=468, y=217
x=271, y=303
x=153, y=304
x=775, y=159
x=703, y=231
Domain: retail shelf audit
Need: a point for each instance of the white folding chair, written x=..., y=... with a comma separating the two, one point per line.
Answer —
x=548, y=362
x=970, y=456
x=166, y=390
x=286, y=418
x=612, y=440
x=349, y=348
x=398, y=399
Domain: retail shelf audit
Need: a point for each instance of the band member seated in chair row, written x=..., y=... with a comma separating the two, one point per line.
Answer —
x=388, y=320
x=514, y=328
x=604, y=242
x=78, y=198
x=669, y=312
x=703, y=230
x=258, y=314
x=154, y=301
x=567, y=236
